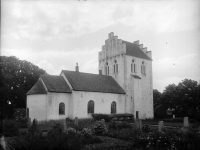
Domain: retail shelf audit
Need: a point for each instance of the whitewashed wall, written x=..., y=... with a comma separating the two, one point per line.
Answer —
x=37, y=107
x=102, y=103
x=53, y=101
x=141, y=90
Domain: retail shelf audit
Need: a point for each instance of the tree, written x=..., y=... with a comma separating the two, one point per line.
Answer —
x=159, y=109
x=182, y=98
x=17, y=77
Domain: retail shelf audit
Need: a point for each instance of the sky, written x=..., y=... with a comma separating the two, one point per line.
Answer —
x=57, y=34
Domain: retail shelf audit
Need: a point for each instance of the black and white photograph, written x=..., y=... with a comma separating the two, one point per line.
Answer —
x=100, y=74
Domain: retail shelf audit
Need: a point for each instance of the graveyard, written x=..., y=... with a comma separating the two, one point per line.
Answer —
x=110, y=134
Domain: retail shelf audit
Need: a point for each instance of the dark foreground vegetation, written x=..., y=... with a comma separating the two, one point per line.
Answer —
x=113, y=135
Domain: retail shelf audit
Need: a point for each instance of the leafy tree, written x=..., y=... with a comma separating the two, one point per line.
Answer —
x=157, y=104
x=17, y=77
x=182, y=98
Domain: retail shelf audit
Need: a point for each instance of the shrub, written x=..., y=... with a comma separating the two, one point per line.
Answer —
x=146, y=128
x=88, y=137
x=99, y=128
x=87, y=133
x=10, y=127
x=20, y=117
x=98, y=117
x=54, y=139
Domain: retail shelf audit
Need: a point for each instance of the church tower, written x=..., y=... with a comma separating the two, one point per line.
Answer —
x=131, y=66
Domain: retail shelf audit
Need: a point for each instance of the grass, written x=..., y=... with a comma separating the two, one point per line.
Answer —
x=118, y=138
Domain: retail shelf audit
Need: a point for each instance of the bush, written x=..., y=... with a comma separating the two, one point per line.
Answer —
x=99, y=128
x=98, y=117
x=10, y=127
x=146, y=128
x=169, y=139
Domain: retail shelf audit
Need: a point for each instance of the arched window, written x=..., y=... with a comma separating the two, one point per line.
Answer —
x=106, y=68
x=143, y=68
x=133, y=66
x=113, y=107
x=115, y=66
x=91, y=106
x=61, y=109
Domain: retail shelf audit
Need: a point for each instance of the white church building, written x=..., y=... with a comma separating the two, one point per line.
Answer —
x=123, y=85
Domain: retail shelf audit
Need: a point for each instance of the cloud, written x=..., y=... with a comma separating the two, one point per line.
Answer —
x=161, y=17
x=173, y=70
x=54, y=61
x=91, y=66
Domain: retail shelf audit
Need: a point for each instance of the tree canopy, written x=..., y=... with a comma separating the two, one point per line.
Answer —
x=183, y=99
x=16, y=78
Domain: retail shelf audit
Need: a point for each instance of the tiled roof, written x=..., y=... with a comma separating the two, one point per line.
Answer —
x=38, y=88
x=134, y=50
x=136, y=76
x=55, y=84
x=93, y=82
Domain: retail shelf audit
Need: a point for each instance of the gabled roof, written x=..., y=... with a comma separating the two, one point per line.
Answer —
x=55, y=84
x=92, y=82
x=134, y=50
x=38, y=88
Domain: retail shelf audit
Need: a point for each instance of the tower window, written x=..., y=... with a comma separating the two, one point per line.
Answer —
x=115, y=66
x=106, y=68
x=143, y=68
x=133, y=66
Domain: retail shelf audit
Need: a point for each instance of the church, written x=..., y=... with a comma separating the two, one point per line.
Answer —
x=124, y=85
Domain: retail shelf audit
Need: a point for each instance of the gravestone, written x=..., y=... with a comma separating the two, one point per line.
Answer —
x=76, y=121
x=29, y=121
x=138, y=123
x=160, y=126
x=3, y=143
x=64, y=125
x=102, y=121
x=186, y=124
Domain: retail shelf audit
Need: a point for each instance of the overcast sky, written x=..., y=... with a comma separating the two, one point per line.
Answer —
x=56, y=34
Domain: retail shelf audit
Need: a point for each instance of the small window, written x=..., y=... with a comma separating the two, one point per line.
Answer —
x=115, y=66
x=113, y=107
x=143, y=68
x=61, y=109
x=133, y=66
x=106, y=68
x=91, y=106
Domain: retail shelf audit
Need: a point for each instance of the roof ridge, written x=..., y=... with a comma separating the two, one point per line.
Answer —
x=81, y=72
